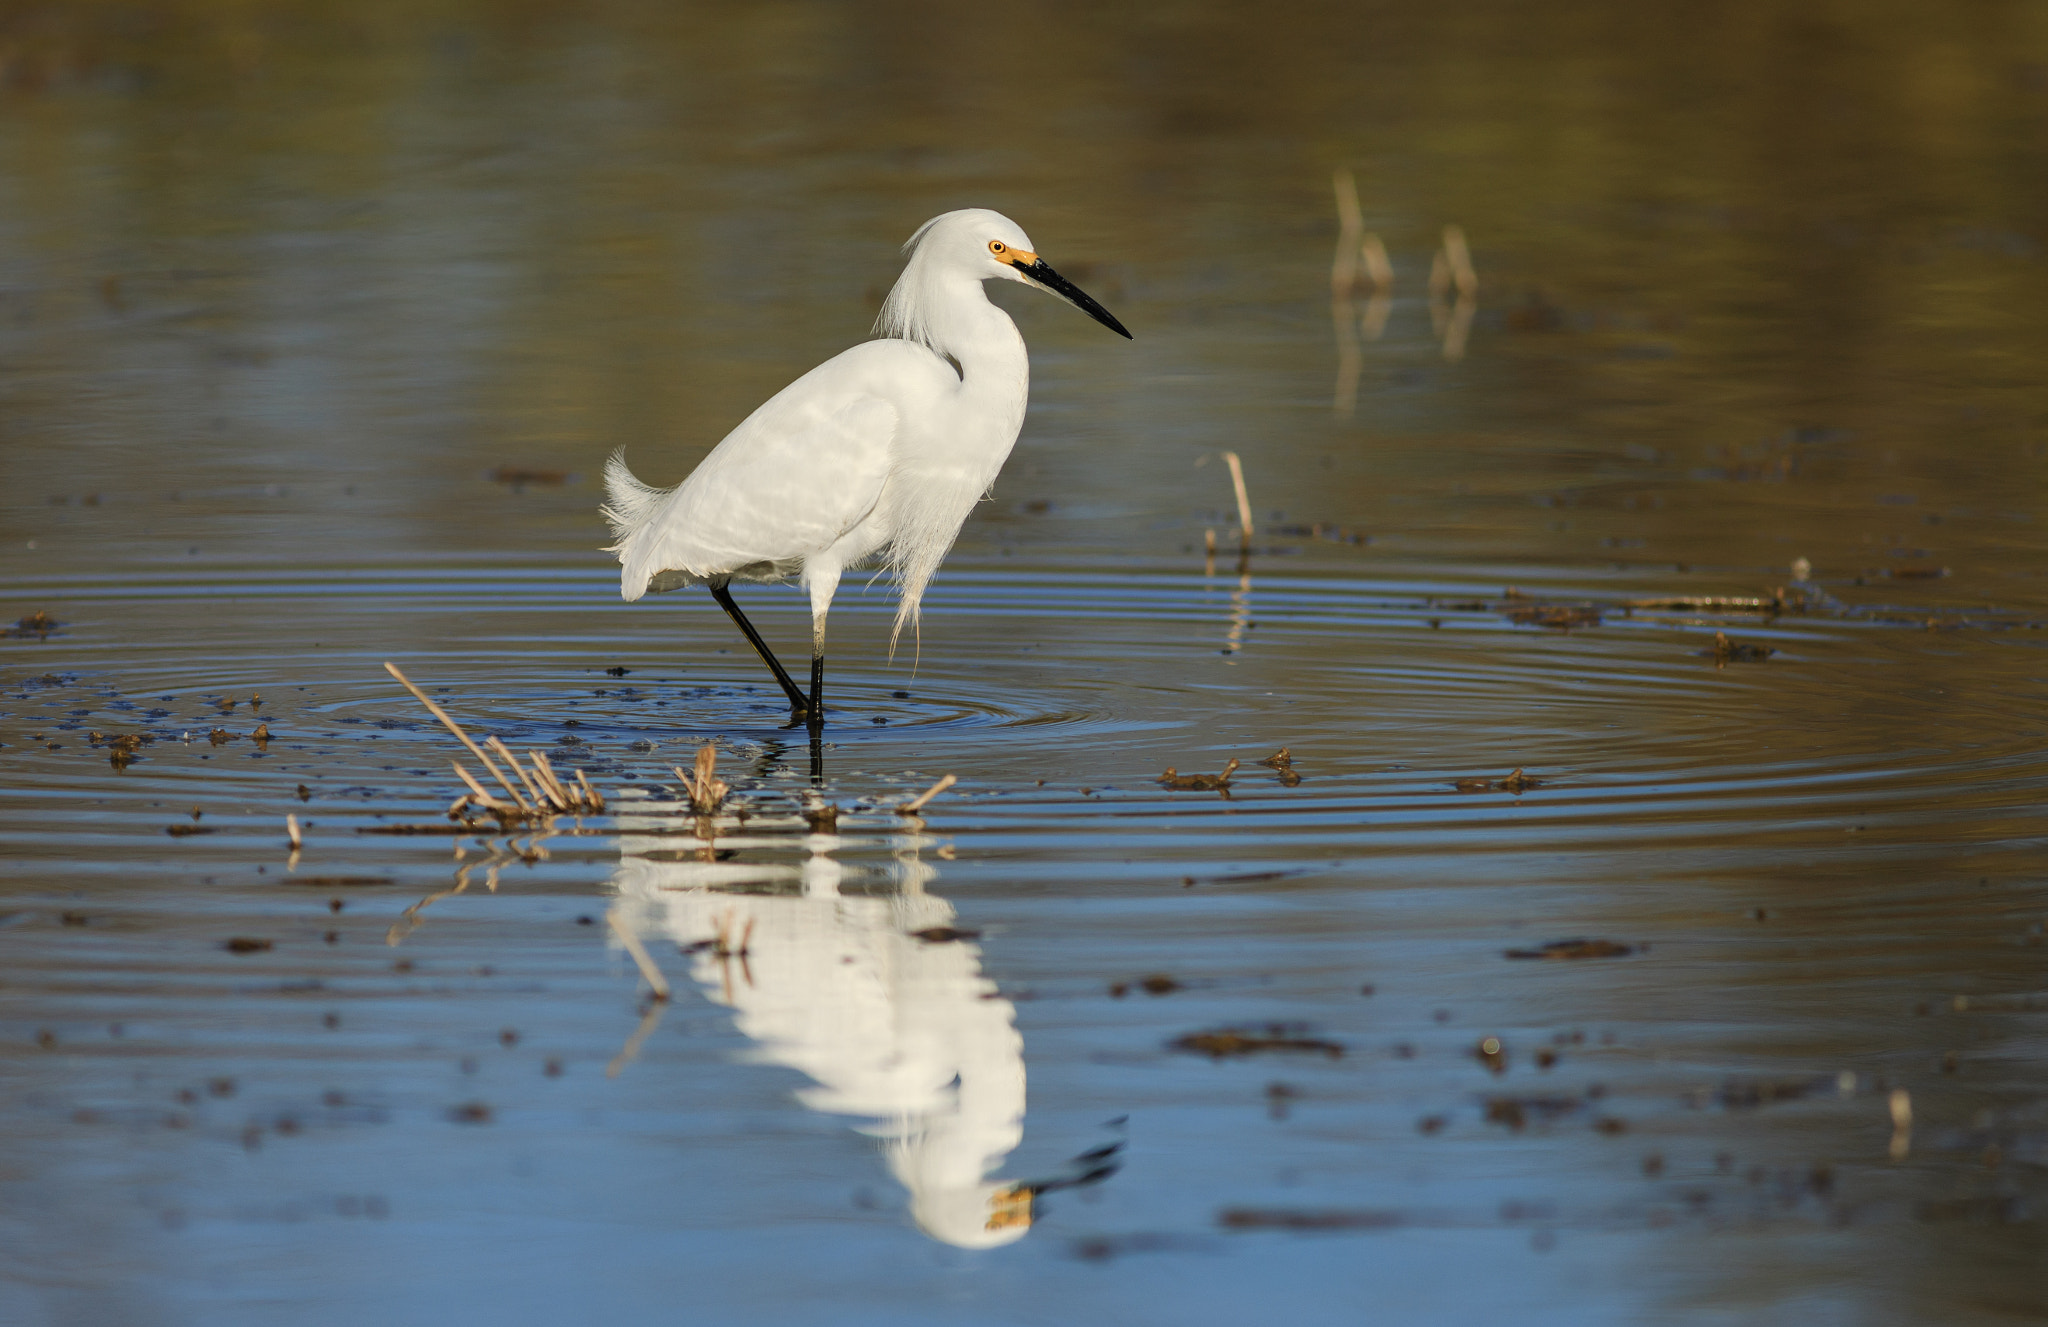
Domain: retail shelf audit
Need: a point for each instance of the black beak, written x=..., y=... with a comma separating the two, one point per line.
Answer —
x=1041, y=273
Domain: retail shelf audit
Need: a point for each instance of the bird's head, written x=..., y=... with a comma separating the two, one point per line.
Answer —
x=990, y=246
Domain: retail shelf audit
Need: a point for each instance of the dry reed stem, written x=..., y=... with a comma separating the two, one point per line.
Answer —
x=1459, y=258
x=483, y=799
x=291, y=829
x=1377, y=265
x=590, y=797
x=1350, y=226
x=706, y=790
x=640, y=956
x=917, y=803
x=547, y=775
x=540, y=799
x=456, y=728
x=1244, y=502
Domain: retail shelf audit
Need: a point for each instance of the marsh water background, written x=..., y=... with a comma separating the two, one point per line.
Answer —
x=282, y=289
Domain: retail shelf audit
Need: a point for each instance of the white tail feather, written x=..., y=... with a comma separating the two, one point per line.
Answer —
x=628, y=501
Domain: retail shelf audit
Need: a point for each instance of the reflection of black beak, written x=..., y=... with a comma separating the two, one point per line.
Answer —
x=1091, y=1167
x=1043, y=275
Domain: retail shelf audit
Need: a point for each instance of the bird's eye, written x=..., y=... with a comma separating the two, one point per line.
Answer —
x=996, y=246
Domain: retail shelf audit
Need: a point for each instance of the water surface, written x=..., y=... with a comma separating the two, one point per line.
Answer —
x=288, y=301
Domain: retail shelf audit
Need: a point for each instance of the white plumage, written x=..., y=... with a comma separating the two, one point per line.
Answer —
x=880, y=452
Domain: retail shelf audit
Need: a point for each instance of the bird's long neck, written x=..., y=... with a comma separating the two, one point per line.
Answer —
x=952, y=458
x=995, y=370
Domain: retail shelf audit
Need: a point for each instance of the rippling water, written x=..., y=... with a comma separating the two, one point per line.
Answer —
x=1730, y=1008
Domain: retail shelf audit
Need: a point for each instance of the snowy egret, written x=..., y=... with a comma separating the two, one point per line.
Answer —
x=878, y=453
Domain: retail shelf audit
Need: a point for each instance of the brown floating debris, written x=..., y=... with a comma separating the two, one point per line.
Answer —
x=1281, y=762
x=1518, y=1112
x=1225, y=1043
x=1198, y=782
x=243, y=944
x=124, y=746
x=182, y=830
x=1749, y=1094
x=1558, y=617
x=518, y=476
x=1516, y=783
x=1304, y=1219
x=1726, y=651
x=38, y=624
x=1569, y=949
x=706, y=790
x=917, y=803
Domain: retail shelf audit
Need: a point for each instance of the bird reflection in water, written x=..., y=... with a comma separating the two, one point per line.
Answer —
x=902, y=1031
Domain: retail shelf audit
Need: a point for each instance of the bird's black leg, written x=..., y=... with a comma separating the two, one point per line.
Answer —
x=799, y=707
x=817, y=689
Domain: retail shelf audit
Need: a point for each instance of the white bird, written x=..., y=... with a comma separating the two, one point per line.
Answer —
x=878, y=453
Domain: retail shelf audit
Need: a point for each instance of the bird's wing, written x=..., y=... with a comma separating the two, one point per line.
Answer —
x=797, y=474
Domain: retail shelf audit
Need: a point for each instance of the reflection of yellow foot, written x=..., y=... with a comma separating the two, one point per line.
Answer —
x=1008, y=1208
